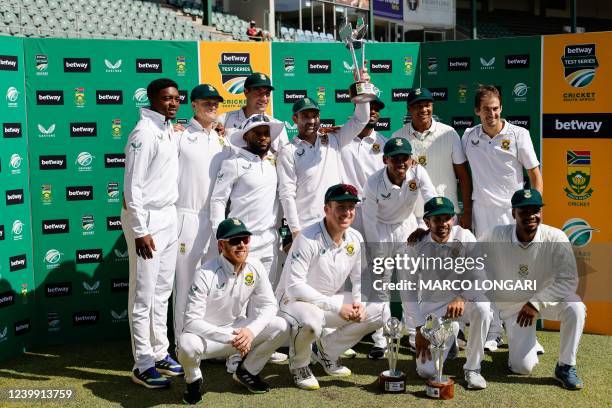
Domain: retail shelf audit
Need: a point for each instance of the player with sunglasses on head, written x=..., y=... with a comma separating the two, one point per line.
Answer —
x=231, y=308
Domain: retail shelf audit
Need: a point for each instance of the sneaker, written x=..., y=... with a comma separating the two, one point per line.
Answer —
x=277, y=357
x=252, y=382
x=150, y=378
x=231, y=363
x=303, y=378
x=539, y=348
x=475, y=380
x=376, y=353
x=494, y=344
x=350, y=353
x=332, y=368
x=192, y=394
x=566, y=375
x=168, y=366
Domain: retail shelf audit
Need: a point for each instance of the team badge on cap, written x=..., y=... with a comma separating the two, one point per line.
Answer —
x=236, y=222
x=399, y=142
x=527, y=194
x=439, y=200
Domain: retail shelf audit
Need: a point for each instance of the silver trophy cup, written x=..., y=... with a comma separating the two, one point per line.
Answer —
x=437, y=331
x=392, y=380
x=360, y=91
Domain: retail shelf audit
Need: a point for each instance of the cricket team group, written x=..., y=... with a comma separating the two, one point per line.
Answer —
x=203, y=204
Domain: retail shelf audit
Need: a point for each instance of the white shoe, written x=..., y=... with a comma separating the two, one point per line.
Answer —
x=350, y=353
x=277, y=357
x=332, y=368
x=303, y=378
x=232, y=363
x=490, y=345
x=475, y=381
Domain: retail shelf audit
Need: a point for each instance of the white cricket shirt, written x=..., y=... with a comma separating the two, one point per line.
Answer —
x=497, y=163
x=151, y=169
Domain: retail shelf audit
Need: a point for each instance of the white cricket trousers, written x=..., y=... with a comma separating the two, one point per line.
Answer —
x=487, y=217
x=150, y=287
x=195, y=246
x=264, y=247
x=193, y=348
x=479, y=315
x=307, y=322
x=522, y=351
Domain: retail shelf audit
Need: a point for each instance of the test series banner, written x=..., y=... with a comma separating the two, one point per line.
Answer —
x=577, y=141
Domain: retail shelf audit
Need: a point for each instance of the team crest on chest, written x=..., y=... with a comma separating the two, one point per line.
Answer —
x=221, y=141
x=272, y=160
x=422, y=160
x=350, y=249
x=412, y=185
x=249, y=280
x=182, y=248
x=523, y=270
x=376, y=148
x=505, y=144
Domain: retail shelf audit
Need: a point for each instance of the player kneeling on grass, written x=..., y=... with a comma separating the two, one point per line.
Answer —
x=537, y=251
x=231, y=307
x=311, y=295
x=443, y=240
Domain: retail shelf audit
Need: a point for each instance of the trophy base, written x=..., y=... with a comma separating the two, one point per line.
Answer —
x=392, y=383
x=440, y=390
x=362, y=92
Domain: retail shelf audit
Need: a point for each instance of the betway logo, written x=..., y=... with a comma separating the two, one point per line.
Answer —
x=82, y=318
x=580, y=50
x=55, y=226
x=113, y=223
x=11, y=130
x=380, y=66
x=119, y=285
x=58, y=289
x=342, y=95
x=114, y=160
x=517, y=61
x=89, y=256
x=383, y=124
x=22, y=327
x=109, y=97
x=17, y=262
x=149, y=65
x=291, y=96
x=75, y=193
x=578, y=125
x=83, y=129
x=439, y=94
x=7, y=298
x=53, y=162
x=8, y=63
x=319, y=66
x=400, y=94
x=459, y=64
x=14, y=196
x=49, y=97
x=235, y=58
x=77, y=65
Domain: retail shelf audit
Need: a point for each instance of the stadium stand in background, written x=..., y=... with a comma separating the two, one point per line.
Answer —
x=129, y=19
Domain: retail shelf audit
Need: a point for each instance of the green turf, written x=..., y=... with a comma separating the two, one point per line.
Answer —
x=99, y=373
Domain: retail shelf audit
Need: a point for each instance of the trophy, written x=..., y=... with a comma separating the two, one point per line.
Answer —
x=437, y=331
x=360, y=91
x=392, y=380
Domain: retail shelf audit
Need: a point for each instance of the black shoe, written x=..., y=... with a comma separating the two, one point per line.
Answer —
x=376, y=353
x=252, y=382
x=192, y=394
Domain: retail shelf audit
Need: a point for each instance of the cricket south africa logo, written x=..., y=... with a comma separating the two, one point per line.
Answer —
x=578, y=175
x=234, y=68
x=579, y=64
x=578, y=231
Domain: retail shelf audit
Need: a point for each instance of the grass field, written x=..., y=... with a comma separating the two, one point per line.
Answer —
x=99, y=375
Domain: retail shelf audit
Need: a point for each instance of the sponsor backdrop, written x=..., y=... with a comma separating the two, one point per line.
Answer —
x=577, y=141
x=325, y=74
x=83, y=98
x=226, y=65
x=16, y=264
x=453, y=70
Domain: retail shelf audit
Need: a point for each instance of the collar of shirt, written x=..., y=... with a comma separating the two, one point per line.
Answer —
x=251, y=156
x=418, y=135
x=157, y=118
x=514, y=238
x=329, y=242
x=227, y=266
x=370, y=139
x=451, y=237
x=193, y=122
x=504, y=131
x=297, y=140
x=388, y=183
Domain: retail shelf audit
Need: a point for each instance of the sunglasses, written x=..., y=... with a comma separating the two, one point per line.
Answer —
x=235, y=241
